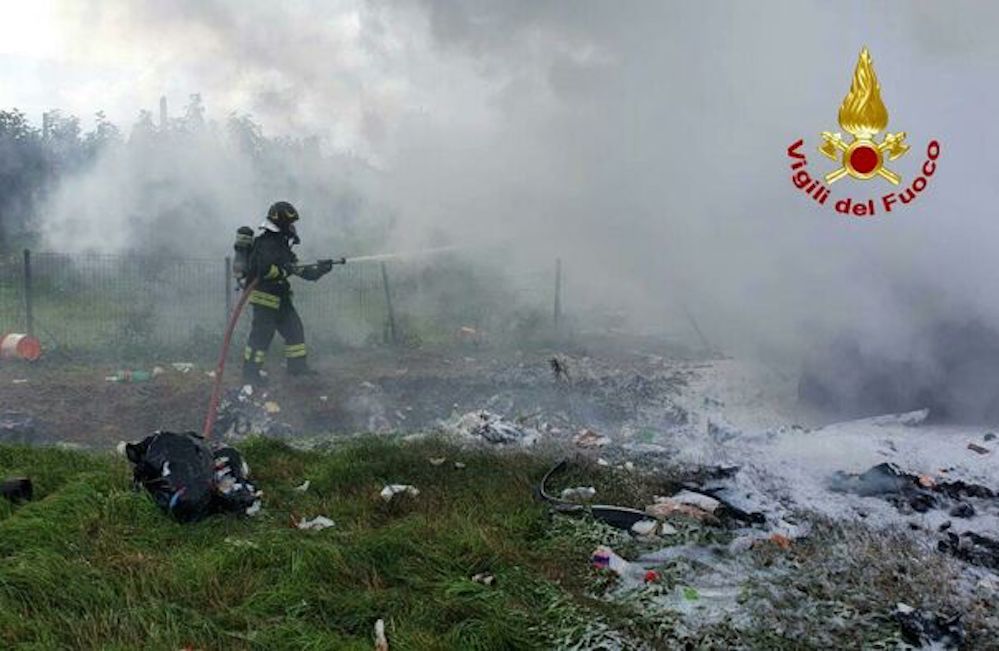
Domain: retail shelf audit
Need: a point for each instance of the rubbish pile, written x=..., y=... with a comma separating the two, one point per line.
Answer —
x=189, y=479
x=490, y=428
x=243, y=412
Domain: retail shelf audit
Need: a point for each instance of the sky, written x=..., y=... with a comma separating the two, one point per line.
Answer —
x=643, y=141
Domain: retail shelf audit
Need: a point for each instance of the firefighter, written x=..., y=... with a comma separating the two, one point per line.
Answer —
x=271, y=263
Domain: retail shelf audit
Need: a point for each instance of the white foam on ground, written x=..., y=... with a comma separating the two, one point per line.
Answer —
x=786, y=468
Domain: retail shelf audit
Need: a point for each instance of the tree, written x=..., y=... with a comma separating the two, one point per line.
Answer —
x=23, y=172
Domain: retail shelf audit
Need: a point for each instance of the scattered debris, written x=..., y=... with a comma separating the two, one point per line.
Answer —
x=317, y=523
x=619, y=517
x=127, y=376
x=559, y=369
x=485, y=578
x=183, y=367
x=16, y=427
x=17, y=490
x=645, y=527
x=381, y=642
x=458, y=465
x=491, y=428
x=963, y=510
x=238, y=542
x=587, y=438
x=972, y=548
x=437, y=461
x=241, y=413
x=604, y=558
x=907, y=419
x=906, y=491
x=304, y=486
x=974, y=447
x=579, y=494
x=780, y=540
x=701, y=501
x=989, y=436
x=921, y=629
x=19, y=380
x=666, y=507
x=392, y=490
x=189, y=480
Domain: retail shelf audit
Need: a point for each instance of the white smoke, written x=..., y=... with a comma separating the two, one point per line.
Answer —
x=645, y=143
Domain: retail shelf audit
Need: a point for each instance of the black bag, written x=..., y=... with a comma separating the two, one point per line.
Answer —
x=187, y=479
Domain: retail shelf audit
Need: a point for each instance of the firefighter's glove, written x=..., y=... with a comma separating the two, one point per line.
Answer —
x=310, y=272
x=325, y=266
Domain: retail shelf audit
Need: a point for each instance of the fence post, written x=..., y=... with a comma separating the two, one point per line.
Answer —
x=558, y=291
x=388, y=303
x=29, y=316
x=228, y=288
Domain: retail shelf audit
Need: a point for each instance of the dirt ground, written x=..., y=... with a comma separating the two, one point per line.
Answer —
x=356, y=391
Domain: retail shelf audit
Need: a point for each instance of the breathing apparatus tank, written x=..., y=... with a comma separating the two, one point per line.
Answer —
x=242, y=247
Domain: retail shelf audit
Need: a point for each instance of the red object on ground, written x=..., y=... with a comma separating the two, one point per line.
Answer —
x=213, y=404
x=864, y=159
x=651, y=576
x=16, y=345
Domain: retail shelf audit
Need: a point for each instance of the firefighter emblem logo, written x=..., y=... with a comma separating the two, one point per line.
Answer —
x=863, y=154
x=863, y=115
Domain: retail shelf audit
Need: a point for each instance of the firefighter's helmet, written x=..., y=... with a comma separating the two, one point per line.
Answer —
x=282, y=214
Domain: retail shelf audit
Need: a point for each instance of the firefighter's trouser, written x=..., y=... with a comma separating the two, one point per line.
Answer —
x=274, y=313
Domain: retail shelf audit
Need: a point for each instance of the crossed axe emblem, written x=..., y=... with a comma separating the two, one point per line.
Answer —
x=871, y=162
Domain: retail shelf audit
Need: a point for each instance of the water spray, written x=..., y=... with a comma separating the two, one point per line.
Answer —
x=401, y=254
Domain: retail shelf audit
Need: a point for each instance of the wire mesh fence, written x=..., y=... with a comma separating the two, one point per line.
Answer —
x=131, y=306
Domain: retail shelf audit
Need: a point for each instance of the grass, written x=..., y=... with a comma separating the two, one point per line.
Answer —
x=92, y=564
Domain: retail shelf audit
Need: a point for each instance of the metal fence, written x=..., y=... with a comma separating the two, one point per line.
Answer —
x=129, y=306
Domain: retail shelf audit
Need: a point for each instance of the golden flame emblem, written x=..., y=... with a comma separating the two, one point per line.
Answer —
x=863, y=115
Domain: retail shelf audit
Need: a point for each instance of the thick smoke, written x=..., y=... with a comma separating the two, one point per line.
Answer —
x=644, y=143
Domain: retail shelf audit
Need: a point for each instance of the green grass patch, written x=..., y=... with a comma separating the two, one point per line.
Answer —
x=91, y=564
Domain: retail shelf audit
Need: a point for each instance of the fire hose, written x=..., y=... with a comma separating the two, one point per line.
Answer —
x=213, y=403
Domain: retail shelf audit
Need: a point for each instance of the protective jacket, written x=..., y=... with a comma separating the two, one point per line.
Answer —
x=271, y=262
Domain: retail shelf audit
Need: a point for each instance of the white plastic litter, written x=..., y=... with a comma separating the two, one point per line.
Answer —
x=304, y=486
x=392, y=490
x=317, y=523
x=701, y=501
x=381, y=642
x=579, y=493
x=644, y=527
x=491, y=428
